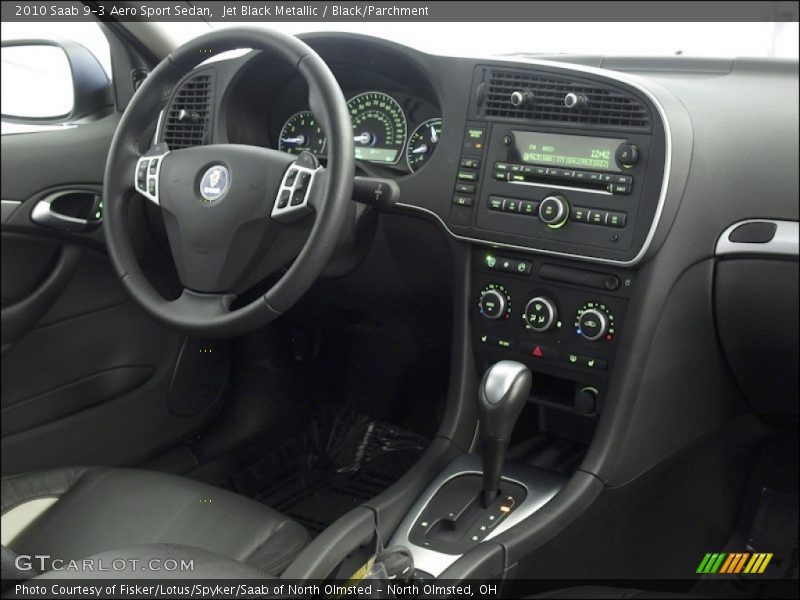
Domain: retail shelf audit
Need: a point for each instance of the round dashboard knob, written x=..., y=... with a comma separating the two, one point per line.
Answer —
x=493, y=304
x=554, y=211
x=540, y=314
x=521, y=98
x=593, y=324
x=573, y=100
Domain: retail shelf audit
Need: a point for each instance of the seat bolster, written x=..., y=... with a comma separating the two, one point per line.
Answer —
x=281, y=548
x=18, y=489
x=108, y=508
x=156, y=561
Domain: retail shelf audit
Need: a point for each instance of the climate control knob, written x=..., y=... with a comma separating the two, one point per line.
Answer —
x=554, y=211
x=494, y=302
x=540, y=314
x=594, y=322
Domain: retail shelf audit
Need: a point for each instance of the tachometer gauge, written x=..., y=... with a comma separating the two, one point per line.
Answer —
x=301, y=132
x=379, y=127
x=422, y=143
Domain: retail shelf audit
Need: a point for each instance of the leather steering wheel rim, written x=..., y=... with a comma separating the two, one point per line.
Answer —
x=207, y=314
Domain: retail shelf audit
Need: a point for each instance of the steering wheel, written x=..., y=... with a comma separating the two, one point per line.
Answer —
x=225, y=204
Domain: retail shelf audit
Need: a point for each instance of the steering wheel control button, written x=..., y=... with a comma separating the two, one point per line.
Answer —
x=494, y=302
x=215, y=183
x=540, y=314
x=594, y=322
x=292, y=200
x=148, y=169
x=554, y=211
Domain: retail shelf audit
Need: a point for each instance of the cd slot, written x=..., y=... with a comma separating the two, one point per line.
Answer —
x=610, y=183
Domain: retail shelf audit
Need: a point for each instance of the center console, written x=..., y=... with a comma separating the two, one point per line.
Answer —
x=563, y=165
x=559, y=188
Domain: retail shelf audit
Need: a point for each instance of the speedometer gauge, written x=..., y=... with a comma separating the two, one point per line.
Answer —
x=379, y=127
x=422, y=143
x=301, y=132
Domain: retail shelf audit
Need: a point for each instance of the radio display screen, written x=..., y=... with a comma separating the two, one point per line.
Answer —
x=565, y=151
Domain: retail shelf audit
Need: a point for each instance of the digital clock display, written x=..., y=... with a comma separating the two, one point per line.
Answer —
x=566, y=151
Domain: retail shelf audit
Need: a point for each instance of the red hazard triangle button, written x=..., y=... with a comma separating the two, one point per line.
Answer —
x=537, y=351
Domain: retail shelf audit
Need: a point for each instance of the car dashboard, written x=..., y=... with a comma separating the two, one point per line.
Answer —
x=580, y=186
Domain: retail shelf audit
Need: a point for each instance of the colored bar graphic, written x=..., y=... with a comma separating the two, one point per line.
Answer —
x=722, y=563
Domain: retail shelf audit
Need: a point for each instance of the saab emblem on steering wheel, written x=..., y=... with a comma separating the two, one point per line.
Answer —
x=214, y=183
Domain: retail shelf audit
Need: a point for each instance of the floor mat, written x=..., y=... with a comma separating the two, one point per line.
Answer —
x=336, y=466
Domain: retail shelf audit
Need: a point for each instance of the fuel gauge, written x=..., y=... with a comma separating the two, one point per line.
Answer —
x=423, y=142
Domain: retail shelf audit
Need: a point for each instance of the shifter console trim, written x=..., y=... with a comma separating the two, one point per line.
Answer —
x=540, y=485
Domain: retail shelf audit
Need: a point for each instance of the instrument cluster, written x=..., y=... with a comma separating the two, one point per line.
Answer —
x=382, y=131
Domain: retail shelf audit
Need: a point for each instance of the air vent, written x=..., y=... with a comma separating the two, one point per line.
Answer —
x=541, y=98
x=189, y=115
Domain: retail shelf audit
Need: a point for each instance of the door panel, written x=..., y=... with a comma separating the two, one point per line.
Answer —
x=87, y=377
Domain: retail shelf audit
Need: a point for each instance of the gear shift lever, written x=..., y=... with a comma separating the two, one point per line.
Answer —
x=502, y=394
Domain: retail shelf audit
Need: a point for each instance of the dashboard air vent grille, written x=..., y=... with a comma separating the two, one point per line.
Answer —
x=601, y=105
x=189, y=115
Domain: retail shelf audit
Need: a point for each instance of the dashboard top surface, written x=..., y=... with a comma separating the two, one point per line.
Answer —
x=690, y=103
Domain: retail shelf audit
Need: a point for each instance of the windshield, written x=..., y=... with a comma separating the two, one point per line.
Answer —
x=727, y=40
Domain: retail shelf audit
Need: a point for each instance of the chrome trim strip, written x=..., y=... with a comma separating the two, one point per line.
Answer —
x=159, y=124
x=539, y=484
x=561, y=187
x=614, y=76
x=784, y=243
x=148, y=177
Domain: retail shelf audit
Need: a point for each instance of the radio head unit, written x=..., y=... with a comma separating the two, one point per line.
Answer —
x=566, y=151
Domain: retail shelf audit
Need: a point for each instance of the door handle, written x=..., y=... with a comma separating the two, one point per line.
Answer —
x=75, y=211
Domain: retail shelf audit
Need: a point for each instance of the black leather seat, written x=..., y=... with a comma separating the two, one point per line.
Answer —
x=76, y=513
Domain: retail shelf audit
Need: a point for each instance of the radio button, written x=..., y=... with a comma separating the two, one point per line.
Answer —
x=623, y=179
x=580, y=215
x=496, y=203
x=501, y=166
x=616, y=219
x=597, y=217
x=627, y=155
x=528, y=207
x=501, y=175
x=618, y=188
x=554, y=211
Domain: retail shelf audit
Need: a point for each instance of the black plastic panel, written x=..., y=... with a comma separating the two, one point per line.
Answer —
x=557, y=346
x=756, y=306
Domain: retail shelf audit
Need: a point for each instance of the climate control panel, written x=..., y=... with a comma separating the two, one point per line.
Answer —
x=560, y=319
